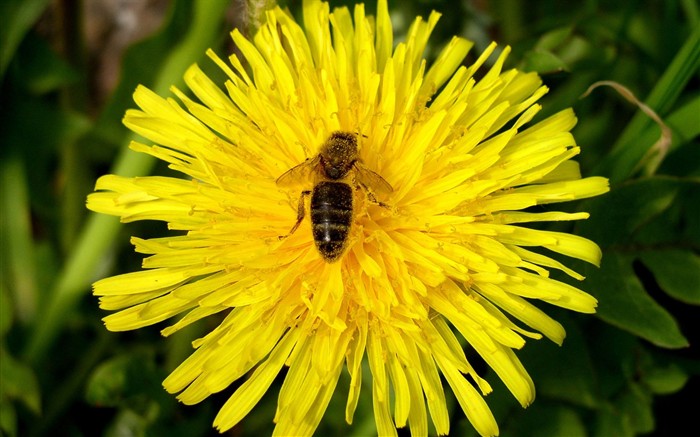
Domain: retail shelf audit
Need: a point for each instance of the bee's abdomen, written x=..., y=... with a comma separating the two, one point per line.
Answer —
x=331, y=216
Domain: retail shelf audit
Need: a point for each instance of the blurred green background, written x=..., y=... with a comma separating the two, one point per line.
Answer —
x=68, y=69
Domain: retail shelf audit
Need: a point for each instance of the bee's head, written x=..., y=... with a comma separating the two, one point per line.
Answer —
x=338, y=154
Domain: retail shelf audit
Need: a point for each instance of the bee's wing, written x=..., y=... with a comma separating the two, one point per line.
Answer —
x=371, y=179
x=299, y=174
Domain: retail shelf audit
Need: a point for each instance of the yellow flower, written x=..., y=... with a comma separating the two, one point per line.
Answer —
x=440, y=254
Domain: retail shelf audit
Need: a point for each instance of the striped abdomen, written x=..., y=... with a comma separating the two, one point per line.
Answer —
x=331, y=216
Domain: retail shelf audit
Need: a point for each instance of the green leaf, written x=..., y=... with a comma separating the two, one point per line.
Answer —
x=684, y=122
x=618, y=215
x=5, y=311
x=39, y=69
x=683, y=161
x=610, y=422
x=127, y=423
x=623, y=302
x=674, y=227
x=18, y=382
x=636, y=403
x=18, y=16
x=554, y=38
x=557, y=50
x=636, y=219
x=562, y=422
x=8, y=418
x=543, y=61
x=691, y=219
x=677, y=273
x=615, y=359
x=107, y=383
x=127, y=380
x=665, y=380
x=576, y=381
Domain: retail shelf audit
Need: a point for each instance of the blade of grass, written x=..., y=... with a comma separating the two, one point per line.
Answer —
x=99, y=231
x=19, y=262
x=683, y=121
x=628, y=150
x=692, y=12
x=658, y=151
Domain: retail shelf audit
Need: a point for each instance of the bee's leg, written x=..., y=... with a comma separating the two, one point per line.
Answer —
x=300, y=214
x=370, y=195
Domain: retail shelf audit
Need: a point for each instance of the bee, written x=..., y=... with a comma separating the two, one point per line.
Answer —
x=332, y=196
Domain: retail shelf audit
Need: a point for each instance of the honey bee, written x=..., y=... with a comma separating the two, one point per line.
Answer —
x=331, y=198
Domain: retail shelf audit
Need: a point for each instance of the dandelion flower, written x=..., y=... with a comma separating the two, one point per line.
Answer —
x=442, y=255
